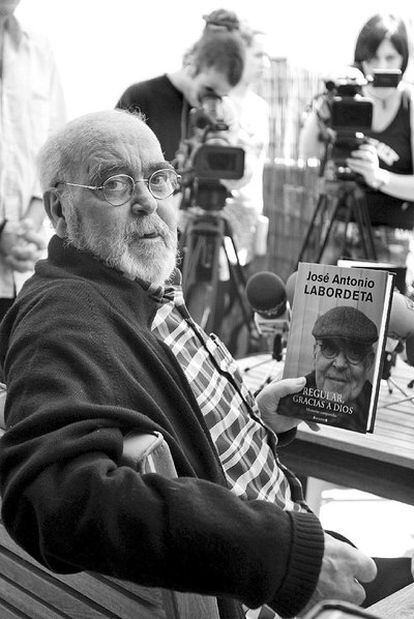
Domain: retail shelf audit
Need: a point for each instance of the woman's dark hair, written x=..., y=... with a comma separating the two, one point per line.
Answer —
x=374, y=32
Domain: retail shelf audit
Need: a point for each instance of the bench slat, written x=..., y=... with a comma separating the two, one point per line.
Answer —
x=7, y=612
x=83, y=593
x=94, y=596
x=27, y=603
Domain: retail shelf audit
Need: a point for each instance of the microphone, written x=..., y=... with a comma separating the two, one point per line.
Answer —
x=266, y=293
x=401, y=323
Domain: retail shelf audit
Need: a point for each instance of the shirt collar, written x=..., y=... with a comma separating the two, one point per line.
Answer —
x=162, y=293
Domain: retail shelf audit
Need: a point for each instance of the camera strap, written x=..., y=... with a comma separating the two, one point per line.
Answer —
x=408, y=100
x=180, y=153
x=185, y=109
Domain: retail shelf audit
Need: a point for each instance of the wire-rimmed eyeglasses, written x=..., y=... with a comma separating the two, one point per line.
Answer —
x=353, y=353
x=117, y=190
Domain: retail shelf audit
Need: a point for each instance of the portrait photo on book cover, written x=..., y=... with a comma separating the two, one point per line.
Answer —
x=336, y=343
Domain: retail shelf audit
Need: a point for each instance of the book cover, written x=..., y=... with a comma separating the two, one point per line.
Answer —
x=398, y=270
x=337, y=338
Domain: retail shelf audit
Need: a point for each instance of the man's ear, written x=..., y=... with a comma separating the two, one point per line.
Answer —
x=53, y=206
x=190, y=69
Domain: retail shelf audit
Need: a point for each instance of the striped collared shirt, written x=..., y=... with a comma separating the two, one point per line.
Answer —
x=246, y=447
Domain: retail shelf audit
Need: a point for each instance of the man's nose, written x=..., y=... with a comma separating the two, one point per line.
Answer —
x=340, y=359
x=384, y=63
x=142, y=201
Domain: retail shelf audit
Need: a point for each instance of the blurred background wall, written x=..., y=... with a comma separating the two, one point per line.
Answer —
x=102, y=46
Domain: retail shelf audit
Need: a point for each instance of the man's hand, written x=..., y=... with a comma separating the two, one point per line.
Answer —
x=21, y=244
x=268, y=400
x=343, y=569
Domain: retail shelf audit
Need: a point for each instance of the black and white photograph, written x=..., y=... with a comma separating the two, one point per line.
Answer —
x=206, y=309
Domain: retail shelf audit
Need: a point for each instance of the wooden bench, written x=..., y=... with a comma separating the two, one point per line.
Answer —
x=27, y=589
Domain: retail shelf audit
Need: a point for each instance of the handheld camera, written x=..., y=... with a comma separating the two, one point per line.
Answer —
x=350, y=117
x=206, y=158
x=386, y=78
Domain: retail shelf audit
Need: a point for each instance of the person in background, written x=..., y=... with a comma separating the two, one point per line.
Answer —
x=213, y=65
x=99, y=343
x=31, y=106
x=245, y=205
x=165, y=101
x=386, y=161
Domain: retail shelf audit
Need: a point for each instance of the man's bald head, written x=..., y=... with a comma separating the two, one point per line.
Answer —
x=99, y=133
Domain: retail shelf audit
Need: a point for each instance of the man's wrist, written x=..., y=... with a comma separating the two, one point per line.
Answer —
x=382, y=179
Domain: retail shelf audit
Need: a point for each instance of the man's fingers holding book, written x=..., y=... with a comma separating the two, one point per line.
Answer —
x=268, y=400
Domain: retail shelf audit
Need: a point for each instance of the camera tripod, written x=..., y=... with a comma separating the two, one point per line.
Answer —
x=343, y=201
x=207, y=245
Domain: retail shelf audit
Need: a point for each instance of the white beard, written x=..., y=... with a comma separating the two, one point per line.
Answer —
x=151, y=260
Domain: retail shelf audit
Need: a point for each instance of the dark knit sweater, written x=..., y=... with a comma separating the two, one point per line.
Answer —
x=83, y=369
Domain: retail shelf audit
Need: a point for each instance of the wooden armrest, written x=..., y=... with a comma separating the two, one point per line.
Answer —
x=148, y=453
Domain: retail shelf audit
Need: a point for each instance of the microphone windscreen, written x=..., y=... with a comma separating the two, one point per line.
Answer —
x=266, y=294
x=401, y=324
x=290, y=287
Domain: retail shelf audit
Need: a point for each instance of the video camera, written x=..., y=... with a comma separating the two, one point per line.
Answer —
x=350, y=116
x=206, y=157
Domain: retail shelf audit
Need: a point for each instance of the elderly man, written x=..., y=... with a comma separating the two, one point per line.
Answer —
x=96, y=346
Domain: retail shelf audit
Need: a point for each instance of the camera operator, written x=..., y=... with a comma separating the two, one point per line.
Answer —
x=244, y=208
x=386, y=160
x=215, y=63
x=173, y=104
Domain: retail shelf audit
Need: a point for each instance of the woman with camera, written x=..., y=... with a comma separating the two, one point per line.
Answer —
x=385, y=161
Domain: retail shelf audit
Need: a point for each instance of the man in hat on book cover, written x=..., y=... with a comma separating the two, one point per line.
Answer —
x=338, y=390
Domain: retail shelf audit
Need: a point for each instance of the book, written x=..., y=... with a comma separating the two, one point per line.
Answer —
x=337, y=340
x=399, y=270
